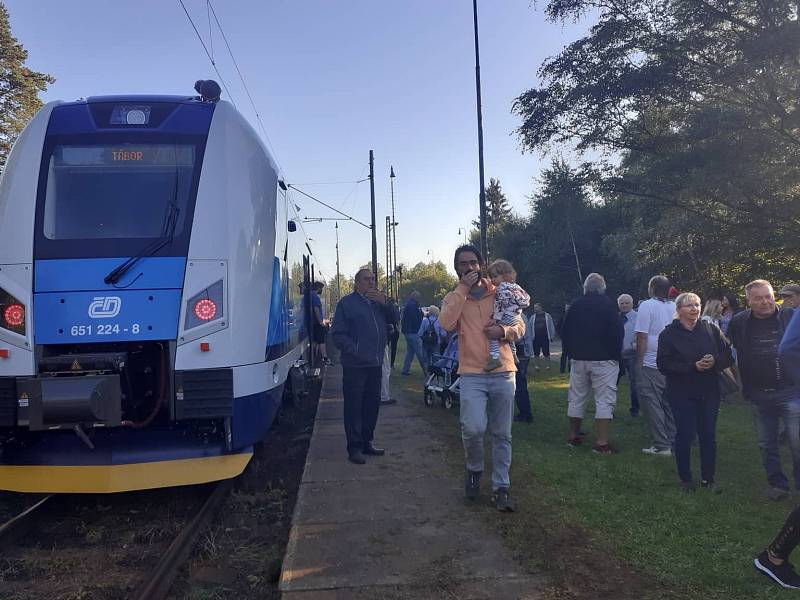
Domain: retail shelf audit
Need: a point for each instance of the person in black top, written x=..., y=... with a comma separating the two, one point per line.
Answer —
x=691, y=354
x=592, y=338
x=756, y=334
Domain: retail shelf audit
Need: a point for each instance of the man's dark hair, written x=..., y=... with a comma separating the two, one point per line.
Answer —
x=658, y=287
x=466, y=248
x=318, y=285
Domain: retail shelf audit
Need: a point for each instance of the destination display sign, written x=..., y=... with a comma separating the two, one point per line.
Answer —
x=137, y=154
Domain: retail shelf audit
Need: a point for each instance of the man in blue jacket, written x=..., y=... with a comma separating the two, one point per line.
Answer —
x=359, y=331
x=409, y=326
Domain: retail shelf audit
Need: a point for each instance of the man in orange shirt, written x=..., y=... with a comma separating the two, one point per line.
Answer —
x=487, y=399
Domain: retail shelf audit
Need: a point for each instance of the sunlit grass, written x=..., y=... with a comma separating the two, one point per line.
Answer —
x=691, y=545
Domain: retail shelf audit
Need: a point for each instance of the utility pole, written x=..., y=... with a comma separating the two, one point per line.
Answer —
x=396, y=291
x=388, y=255
x=372, y=203
x=484, y=239
x=338, y=277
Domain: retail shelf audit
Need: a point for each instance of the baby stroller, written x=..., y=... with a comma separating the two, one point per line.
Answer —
x=443, y=376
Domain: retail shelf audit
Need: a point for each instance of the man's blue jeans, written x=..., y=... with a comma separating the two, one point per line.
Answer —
x=630, y=369
x=413, y=347
x=487, y=402
x=521, y=395
x=768, y=409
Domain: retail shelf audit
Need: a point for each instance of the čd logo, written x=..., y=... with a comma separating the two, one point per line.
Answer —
x=105, y=307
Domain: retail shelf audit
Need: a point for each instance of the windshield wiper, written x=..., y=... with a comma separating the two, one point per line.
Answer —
x=167, y=233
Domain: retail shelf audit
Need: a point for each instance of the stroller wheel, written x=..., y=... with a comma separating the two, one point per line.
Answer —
x=428, y=397
x=447, y=399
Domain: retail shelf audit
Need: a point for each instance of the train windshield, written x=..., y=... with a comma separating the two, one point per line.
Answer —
x=116, y=191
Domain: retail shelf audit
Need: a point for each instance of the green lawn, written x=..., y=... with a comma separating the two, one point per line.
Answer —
x=628, y=506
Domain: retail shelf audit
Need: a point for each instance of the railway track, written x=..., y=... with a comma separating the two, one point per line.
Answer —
x=156, y=583
x=19, y=525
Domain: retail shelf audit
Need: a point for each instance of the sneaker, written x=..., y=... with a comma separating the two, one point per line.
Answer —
x=574, y=441
x=656, y=452
x=688, y=486
x=776, y=493
x=502, y=500
x=521, y=419
x=783, y=574
x=492, y=364
x=711, y=486
x=472, y=484
x=602, y=449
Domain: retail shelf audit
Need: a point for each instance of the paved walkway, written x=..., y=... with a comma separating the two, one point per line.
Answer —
x=394, y=528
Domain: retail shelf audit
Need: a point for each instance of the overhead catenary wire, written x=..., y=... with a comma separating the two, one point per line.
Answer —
x=208, y=54
x=244, y=84
x=329, y=206
x=333, y=182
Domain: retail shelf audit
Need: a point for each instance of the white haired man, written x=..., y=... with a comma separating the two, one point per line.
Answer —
x=592, y=337
x=628, y=316
x=653, y=316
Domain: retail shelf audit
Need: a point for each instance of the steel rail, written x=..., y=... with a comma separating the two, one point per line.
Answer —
x=16, y=527
x=163, y=576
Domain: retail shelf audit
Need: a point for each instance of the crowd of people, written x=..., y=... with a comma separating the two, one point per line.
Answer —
x=679, y=357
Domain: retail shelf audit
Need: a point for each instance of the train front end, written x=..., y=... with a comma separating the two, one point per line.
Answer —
x=126, y=224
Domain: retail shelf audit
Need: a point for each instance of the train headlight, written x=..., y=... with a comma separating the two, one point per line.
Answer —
x=205, y=307
x=130, y=114
x=12, y=313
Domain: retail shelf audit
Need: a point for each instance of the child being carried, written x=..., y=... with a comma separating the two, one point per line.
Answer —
x=509, y=302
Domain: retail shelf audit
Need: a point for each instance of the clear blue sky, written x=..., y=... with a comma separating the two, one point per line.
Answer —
x=331, y=79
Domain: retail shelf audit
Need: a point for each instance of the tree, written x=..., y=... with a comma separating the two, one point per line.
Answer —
x=432, y=280
x=19, y=87
x=697, y=104
x=498, y=212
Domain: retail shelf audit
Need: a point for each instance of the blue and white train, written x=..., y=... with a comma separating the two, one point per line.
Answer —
x=150, y=295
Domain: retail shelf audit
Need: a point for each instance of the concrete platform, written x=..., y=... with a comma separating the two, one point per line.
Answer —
x=394, y=528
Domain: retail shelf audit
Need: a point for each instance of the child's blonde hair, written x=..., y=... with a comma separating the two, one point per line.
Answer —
x=503, y=268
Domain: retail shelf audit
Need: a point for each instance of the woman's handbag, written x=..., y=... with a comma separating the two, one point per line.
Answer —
x=728, y=382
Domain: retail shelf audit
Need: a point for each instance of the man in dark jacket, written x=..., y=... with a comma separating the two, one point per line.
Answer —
x=756, y=334
x=409, y=326
x=592, y=337
x=359, y=331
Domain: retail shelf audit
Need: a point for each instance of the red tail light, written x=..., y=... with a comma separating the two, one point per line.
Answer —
x=205, y=309
x=14, y=315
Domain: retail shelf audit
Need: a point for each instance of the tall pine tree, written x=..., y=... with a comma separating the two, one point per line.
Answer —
x=19, y=87
x=498, y=211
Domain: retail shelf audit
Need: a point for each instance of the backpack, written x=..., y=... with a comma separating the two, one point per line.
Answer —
x=429, y=337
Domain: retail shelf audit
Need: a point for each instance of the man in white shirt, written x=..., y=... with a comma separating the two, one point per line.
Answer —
x=654, y=314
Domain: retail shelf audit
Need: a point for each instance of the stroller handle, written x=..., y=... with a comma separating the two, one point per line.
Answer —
x=449, y=359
